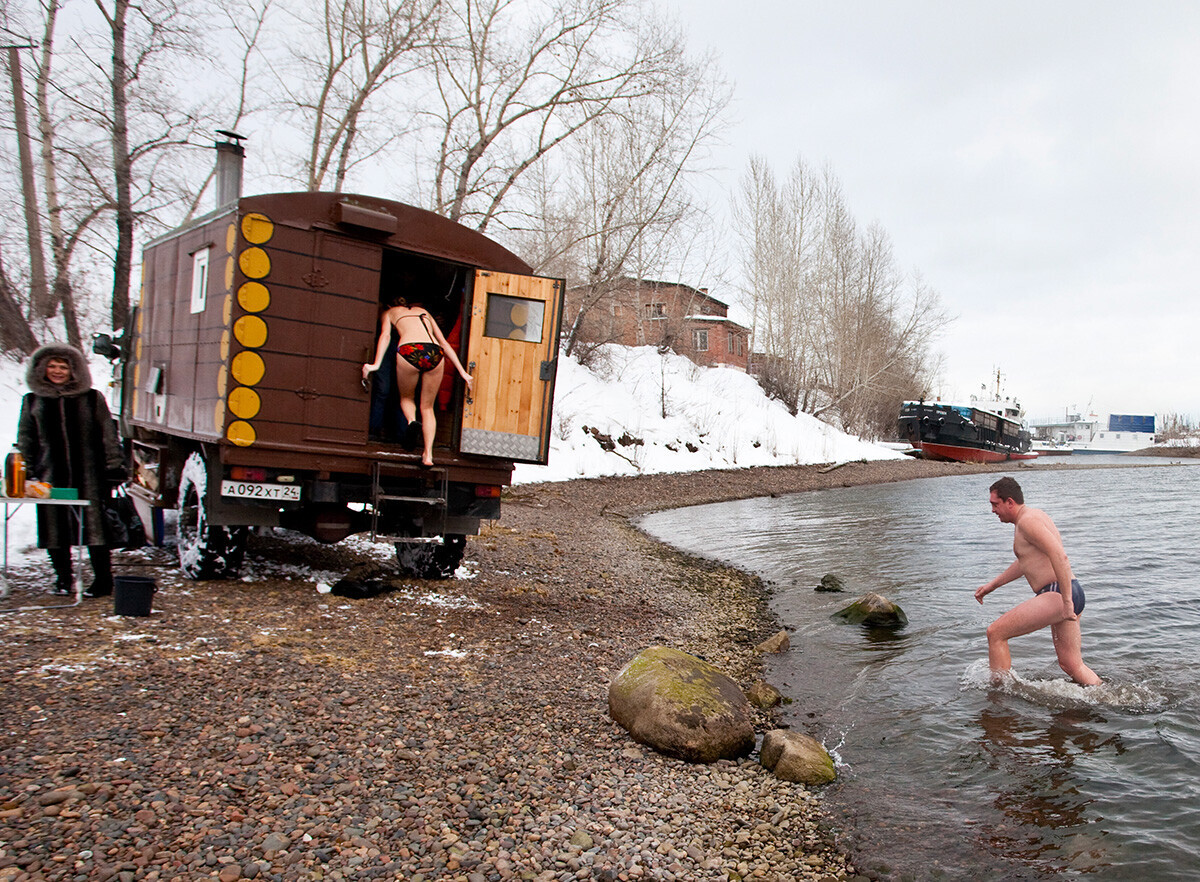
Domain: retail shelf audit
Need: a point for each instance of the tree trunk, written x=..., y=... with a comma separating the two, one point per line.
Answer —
x=61, y=293
x=122, y=168
x=40, y=302
x=15, y=334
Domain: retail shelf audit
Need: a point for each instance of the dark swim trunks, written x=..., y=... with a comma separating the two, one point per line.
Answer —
x=1077, y=598
x=423, y=356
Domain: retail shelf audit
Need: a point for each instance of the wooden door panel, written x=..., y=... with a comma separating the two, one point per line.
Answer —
x=511, y=353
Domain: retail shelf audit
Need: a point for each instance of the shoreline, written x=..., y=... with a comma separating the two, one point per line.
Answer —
x=258, y=729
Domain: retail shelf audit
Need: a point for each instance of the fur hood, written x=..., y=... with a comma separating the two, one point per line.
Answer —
x=35, y=372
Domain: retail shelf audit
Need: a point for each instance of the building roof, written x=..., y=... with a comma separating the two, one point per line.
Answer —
x=722, y=319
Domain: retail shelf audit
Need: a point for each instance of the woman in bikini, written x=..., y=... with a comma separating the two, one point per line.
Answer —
x=421, y=355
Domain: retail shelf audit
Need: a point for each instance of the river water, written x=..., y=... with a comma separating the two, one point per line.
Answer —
x=942, y=774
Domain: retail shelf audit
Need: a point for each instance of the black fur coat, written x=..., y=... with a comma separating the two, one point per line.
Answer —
x=69, y=439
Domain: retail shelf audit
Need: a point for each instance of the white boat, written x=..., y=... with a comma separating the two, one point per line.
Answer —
x=1076, y=433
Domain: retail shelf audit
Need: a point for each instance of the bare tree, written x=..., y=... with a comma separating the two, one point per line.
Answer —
x=246, y=22
x=348, y=54
x=622, y=207
x=140, y=36
x=105, y=122
x=516, y=81
x=780, y=234
x=15, y=333
x=42, y=305
x=840, y=332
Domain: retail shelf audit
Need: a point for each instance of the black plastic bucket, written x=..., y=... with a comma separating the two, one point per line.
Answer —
x=132, y=595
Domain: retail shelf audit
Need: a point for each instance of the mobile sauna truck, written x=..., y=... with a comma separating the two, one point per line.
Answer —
x=242, y=391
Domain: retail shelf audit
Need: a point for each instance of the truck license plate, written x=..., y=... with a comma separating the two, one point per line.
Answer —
x=251, y=490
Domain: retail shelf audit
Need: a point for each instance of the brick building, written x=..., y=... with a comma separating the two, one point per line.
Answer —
x=640, y=312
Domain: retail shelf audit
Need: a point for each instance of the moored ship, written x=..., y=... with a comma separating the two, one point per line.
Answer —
x=985, y=430
x=1076, y=433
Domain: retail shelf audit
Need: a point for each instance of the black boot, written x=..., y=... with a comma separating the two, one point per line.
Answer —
x=60, y=559
x=102, y=582
x=413, y=435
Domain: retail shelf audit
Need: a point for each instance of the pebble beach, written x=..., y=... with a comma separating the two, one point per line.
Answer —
x=457, y=730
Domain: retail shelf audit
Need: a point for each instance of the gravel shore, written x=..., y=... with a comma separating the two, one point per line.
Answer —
x=258, y=729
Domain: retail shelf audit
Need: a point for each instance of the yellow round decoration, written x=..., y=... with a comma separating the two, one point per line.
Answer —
x=230, y=238
x=244, y=403
x=254, y=297
x=227, y=309
x=229, y=274
x=222, y=381
x=248, y=368
x=141, y=316
x=250, y=331
x=519, y=314
x=255, y=263
x=516, y=334
x=241, y=433
x=218, y=416
x=224, y=346
x=257, y=228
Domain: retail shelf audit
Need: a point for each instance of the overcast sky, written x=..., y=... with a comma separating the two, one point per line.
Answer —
x=1037, y=162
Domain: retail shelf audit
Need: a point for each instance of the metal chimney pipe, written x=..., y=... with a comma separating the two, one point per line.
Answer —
x=230, y=157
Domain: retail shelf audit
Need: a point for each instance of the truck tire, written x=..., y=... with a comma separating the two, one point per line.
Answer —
x=205, y=551
x=432, y=560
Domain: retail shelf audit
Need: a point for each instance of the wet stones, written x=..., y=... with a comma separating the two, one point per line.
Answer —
x=763, y=695
x=830, y=584
x=798, y=758
x=777, y=642
x=872, y=611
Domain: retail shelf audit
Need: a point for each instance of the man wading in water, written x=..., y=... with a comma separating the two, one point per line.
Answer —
x=1043, y=562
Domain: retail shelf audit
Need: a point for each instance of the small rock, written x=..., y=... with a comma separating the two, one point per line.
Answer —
x=776, y=643
x=763, y=695
x=54, y=797
x=873, y=611
x=830, y=582
x=795, y=757
x=582, y=839
x=275, y=842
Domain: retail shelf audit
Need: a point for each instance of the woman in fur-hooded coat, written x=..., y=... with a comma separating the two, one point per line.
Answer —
x=69, y=439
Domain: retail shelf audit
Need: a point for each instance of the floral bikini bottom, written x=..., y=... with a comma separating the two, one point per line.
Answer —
x=423, y=356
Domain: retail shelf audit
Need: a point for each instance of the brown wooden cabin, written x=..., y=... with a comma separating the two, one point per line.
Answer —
x=246, y=353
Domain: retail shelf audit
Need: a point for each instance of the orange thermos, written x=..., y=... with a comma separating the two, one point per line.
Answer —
x=14, y=474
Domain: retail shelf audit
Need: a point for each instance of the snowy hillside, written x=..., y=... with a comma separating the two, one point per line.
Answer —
x=662, y=413
x=657, y=413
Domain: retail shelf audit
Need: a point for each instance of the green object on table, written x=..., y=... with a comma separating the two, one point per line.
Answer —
x=64, y=493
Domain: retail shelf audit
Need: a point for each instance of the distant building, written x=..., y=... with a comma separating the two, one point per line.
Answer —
x=640, y=312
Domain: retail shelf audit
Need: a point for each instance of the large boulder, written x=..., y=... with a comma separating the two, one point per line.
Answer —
x=874, y=611
x=796, y=757
x=681, y=706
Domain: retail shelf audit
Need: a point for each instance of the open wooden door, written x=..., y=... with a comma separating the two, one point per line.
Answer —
x=512, y=354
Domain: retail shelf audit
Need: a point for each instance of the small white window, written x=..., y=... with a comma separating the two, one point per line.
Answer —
x=700, y=341
x=656, y=310
x=200, y=279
